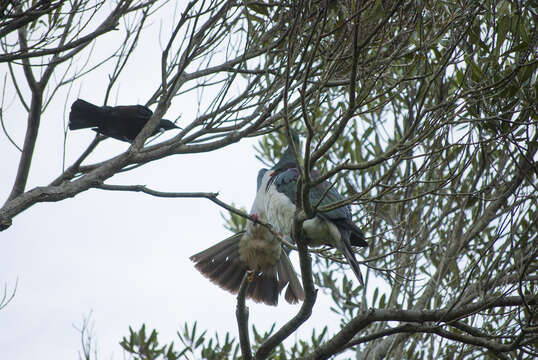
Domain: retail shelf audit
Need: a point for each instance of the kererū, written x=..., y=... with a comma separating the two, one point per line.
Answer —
x=119, y=122
x=257, y=250
x=334, y=227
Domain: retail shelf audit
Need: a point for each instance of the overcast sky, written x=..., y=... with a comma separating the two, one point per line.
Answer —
x=123, y=257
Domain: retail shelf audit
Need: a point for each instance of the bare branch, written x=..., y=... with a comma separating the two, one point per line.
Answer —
x=241, y=314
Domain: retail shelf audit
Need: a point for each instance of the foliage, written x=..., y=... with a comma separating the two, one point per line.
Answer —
x=422, y=113
x=140, y=346
x=439, y=157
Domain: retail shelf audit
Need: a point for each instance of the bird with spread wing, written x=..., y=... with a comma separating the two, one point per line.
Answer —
x=257, y=251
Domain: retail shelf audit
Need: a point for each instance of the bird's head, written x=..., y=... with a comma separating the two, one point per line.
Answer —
x=166, y=125
x=288, y=159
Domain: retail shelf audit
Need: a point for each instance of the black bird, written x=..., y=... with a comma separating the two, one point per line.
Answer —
x=119, y=122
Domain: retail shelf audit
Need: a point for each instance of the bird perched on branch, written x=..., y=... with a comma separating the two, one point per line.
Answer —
x=119, y=122
x=256, y=250
x=333, y=227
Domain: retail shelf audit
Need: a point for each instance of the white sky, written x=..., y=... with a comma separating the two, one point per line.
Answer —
x=124, y=257
x=121, y=256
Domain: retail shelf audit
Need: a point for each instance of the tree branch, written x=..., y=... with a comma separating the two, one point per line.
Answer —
x=446, y=315
x=241, y=314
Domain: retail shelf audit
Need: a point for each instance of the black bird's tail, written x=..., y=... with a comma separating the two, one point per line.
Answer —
x=222, y=265
x=84, y=115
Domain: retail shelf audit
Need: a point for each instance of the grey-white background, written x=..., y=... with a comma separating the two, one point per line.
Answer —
x=123, y=257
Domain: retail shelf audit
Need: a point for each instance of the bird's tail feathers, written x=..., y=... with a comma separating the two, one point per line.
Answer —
x=286, y=273
x=222, y=265
x=264, y=287
x=357, y=236
x=84, y=115
x=352, y=260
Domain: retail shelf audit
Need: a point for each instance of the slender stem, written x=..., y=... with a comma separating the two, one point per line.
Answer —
x=241, y=314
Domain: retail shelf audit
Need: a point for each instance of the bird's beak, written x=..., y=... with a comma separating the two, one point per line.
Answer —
x=162, y=130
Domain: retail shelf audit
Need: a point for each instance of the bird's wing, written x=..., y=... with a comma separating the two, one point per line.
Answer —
x=340, y=216
x=321, y=195
x=286, y=183
x=134, y=112
x=258, y=207
x=128, y=114
x=325, y=194
x=125, y=122
x=259, y=180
